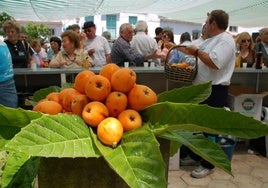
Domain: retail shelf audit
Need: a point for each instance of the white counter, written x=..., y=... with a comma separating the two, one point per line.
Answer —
x=154, y=77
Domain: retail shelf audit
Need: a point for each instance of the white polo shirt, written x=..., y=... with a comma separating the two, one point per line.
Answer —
x=221, y=50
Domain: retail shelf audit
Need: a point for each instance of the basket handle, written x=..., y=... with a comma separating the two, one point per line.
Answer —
x=176, y=47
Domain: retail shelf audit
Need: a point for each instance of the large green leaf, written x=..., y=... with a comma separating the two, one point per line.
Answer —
x=187, y=94
x=201, y=146
x=12, y=120
x=61, y=135
x=137, y=159
x=42, y=93
x=20, y=170
x=3, y=160
x=174, y=146
x=202, y=118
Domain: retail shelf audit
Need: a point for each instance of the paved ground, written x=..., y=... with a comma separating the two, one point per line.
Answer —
x=249, y=171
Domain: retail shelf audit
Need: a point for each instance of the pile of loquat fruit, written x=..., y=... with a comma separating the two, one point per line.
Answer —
x=109, y=101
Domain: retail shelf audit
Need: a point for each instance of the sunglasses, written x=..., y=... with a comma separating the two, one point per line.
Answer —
x=244, y=40
x=165, y=36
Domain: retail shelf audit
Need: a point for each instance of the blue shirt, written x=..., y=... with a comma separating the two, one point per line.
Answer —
x=6, y=69
x=177, y=56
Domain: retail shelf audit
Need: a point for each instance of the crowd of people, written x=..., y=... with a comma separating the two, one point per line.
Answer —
x=133, y=45
x=135, y=49
x=216, y=51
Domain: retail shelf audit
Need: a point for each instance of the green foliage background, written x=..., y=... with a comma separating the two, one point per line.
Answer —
x=33, y=30
x=4, y=17
x=36, y=31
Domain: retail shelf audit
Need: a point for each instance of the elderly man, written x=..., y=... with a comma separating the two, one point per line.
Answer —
x=123, y=52
x=263, y=45
x=216, y=62
x=142, y=42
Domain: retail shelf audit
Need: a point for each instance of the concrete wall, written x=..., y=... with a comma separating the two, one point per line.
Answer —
x=180, y=27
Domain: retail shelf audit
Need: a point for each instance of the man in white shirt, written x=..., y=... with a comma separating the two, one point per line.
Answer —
x=97, y=47
x=142, y=42
x=216, y=63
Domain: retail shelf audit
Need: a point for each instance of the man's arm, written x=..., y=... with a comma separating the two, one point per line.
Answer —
x=203, y=56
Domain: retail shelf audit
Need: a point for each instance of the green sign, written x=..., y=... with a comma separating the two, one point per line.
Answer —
x=248, y=104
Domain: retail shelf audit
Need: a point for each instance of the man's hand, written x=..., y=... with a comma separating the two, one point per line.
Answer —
x=91, y=52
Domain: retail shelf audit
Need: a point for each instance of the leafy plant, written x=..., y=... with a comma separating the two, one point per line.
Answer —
x=4, y=17
x=33, y=30
x=28, y=136
x=36, y=31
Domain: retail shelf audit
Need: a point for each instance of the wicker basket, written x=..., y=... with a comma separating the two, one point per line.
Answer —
x=179, y=74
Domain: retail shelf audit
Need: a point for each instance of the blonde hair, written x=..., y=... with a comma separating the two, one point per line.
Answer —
x=11, y=24
x=242, y=36
x=35, y=42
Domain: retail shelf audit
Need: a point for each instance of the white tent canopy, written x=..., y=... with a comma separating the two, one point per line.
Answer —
x=244, y=13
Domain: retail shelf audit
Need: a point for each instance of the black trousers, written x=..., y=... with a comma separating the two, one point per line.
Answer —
x=217, y=98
